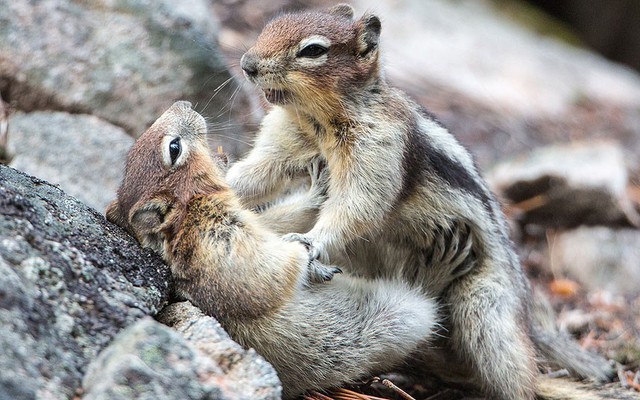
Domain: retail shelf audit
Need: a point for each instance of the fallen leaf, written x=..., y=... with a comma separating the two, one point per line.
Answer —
x=564, y=287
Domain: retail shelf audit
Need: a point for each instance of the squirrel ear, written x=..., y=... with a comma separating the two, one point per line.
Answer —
x=148, y=216
x=369, y=26
x=342, y=10
x=145, y=221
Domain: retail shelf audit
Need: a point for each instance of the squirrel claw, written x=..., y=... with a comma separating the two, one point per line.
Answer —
x=298, y=237
x=314, y=252
x=320, y=273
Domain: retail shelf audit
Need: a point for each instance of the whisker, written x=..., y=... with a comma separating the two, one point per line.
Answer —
x=204, y=44
x=230, y=48
x=213, y=127
x=235, y=139
x=218, y=90
x=233, y=97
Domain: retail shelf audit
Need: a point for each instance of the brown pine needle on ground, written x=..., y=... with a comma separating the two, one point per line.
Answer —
x=346, y=394
x=341, y=394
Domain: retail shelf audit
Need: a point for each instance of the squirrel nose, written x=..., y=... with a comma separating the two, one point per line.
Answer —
x=249, y=65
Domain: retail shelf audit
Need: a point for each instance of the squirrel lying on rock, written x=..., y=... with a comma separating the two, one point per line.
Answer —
x=316, y=329
x=404, y=198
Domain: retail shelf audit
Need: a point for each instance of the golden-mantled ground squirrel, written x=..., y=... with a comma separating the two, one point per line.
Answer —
x=404, y=198
x=262, y=289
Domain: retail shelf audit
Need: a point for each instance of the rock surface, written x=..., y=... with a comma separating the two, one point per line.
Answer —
x=245, y=372
x=124, y=61
x=150, y=361
x=69, y=282
x=82, y=153
x=568, y=185
x=76, y=293
x=599, y=258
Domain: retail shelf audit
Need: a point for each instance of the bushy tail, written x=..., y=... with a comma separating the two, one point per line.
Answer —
x=396, y=320
x=340, y=332
x=559, y=350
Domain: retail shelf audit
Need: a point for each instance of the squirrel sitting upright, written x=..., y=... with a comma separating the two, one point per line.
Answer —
x=404, y=198
x=263, y=290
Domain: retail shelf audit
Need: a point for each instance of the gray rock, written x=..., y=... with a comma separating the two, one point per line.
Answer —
x=125, y=61
x=246, y=373
x=599, y=258
x=69, y=282
x=198, y=361
x=151, y=361
x=82, y=153
x=568, y=185
x=476, y=51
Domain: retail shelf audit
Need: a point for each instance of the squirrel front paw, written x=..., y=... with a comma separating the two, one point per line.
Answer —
x=316, y=251
x=317, y=272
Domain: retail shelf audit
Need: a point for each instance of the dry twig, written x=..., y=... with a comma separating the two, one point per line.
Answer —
x=390, y=385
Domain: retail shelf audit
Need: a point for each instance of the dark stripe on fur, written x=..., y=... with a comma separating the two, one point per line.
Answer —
x=420, y=158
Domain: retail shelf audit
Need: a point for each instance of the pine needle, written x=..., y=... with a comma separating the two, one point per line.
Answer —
x=347, y=394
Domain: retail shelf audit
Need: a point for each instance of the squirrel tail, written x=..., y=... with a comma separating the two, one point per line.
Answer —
x=559, y=350
x=342, y=331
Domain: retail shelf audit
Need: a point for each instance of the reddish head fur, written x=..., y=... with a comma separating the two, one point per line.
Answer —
x=282, y=34
x=317, y=84
x=150, y=175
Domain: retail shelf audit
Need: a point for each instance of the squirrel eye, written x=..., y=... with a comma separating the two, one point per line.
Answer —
x=175, y=148
x=312, y=51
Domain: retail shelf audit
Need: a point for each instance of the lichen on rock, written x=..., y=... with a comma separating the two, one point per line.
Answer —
x=69, y=282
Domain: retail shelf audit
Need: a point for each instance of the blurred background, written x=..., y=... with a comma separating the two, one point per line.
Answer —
x=609, y=27
x=545, y=94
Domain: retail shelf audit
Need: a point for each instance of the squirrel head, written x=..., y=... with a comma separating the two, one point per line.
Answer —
x=314, y=57
x=168, y=165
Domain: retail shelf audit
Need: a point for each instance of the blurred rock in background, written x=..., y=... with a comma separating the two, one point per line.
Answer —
x=568, y=185
x=612, y=28
x=5, y=156
x=81, y=152
x=123, y=62
x=599, y=258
